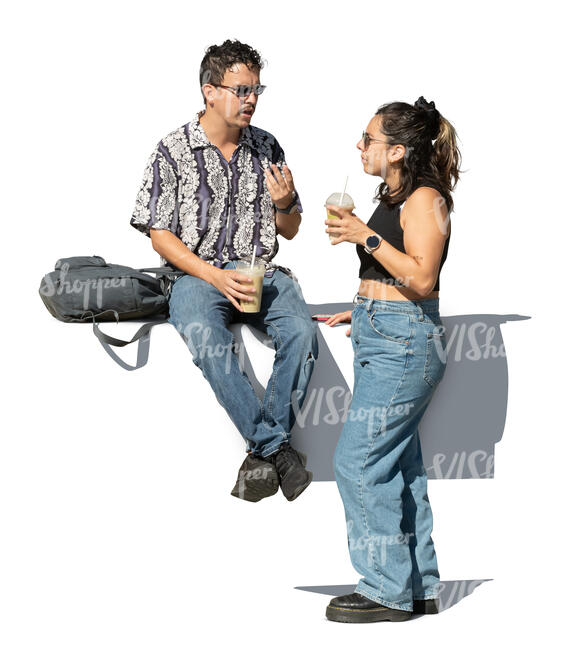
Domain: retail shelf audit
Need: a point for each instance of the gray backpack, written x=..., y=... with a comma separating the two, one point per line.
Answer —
x=85, y=289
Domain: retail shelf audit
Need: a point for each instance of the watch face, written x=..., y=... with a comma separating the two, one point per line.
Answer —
x=373, y=241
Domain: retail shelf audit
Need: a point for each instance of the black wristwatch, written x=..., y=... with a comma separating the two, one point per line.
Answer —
x=372, y=243
x=288, y=209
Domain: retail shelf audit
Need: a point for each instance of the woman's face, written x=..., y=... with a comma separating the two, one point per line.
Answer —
x=374, y=156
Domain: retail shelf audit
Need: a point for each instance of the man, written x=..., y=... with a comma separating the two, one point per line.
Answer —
x=212, y=191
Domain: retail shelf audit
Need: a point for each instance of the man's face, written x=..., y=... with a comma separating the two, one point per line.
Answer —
x=236, y=111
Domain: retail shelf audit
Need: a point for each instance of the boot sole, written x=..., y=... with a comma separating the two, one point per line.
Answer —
x=347, y=615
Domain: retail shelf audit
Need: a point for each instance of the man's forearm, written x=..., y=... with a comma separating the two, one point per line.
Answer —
x=288, y=224
x=171, y=248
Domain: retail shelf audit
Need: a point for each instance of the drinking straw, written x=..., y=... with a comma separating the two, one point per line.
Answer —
x=253, y=257
x=344, y=189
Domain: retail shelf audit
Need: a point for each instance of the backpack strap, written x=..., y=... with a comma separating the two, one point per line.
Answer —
x=142, y=335
x=161, y=270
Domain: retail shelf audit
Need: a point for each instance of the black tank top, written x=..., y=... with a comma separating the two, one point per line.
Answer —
x=385, y=221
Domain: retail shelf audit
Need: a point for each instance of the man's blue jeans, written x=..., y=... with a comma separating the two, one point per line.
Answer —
x=201, y=314
x=400, y=357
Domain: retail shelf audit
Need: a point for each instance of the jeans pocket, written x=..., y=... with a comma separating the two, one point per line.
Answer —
x=435, y=357
x=391, y=325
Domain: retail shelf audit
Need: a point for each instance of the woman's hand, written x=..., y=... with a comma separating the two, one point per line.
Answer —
x=341, y=317
x=348, y=227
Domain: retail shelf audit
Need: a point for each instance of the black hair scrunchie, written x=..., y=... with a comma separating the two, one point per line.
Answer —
x=432, y=116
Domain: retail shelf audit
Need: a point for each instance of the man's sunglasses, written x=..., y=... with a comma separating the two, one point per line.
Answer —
x=243, y=91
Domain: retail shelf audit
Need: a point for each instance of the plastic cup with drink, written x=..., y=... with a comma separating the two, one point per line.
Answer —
x=255, y=270
x=341, y=199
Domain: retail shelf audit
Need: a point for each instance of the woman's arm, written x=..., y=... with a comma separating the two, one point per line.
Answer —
x=424, y=234
x=425, y=229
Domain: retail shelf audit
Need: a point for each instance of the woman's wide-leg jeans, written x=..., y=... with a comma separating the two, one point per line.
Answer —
x=400, y=358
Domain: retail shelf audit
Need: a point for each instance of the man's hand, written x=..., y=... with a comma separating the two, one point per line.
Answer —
x=233, y=284
x=348, y=227
x=281, y=189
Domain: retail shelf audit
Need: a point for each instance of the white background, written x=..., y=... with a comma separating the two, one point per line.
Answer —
x=118, y=530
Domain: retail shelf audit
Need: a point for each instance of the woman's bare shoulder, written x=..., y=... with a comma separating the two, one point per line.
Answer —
x=423, y=205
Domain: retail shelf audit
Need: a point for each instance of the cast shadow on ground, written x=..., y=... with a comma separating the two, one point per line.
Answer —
x=450, y=591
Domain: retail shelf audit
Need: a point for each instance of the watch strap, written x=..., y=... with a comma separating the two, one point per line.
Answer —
x=288, y=209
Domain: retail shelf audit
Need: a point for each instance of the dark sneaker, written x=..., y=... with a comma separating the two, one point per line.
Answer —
x=257, y=479
x=356, y=608
x=431, y=606
x=294, y=478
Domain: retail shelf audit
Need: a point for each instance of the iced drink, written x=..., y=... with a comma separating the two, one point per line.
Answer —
x=346, y=203
x=256, y=274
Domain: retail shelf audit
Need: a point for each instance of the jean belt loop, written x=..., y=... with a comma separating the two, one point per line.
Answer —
x=357, y=300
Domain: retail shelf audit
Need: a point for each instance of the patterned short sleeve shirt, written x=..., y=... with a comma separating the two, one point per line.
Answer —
x=220, y=210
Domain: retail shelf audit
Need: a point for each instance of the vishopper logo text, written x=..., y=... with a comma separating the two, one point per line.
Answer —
x=479, y=464
x=321, y=400
x=370, y=542
x=258, y=473
x=202, y=349
x=84, y=287
x=474, y=342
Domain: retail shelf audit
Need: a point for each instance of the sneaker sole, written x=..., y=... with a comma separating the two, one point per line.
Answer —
x=346, y=615
x=299, y=489
x=255, y=490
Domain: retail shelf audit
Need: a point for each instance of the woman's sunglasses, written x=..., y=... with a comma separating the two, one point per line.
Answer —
x=367, y=139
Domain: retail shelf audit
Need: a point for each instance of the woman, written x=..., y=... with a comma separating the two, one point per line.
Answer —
x=399, y=347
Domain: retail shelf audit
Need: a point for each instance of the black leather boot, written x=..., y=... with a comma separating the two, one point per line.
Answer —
x=431, y=606
x=294, y=478
x=257, y=479
x=356, y=608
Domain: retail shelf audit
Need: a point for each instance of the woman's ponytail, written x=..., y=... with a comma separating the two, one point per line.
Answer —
x=446, y=158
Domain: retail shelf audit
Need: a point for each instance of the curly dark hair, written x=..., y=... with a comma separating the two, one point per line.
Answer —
x=220, y=58
x=431, y=152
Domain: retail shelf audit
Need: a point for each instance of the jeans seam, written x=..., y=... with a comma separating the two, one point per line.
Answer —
x=429, y=351
x=275, y=371
x=374, y=435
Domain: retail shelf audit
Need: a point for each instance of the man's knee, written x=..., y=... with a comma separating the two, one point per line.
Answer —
x=191, y=298
x=304, y=333
x=305, y=346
